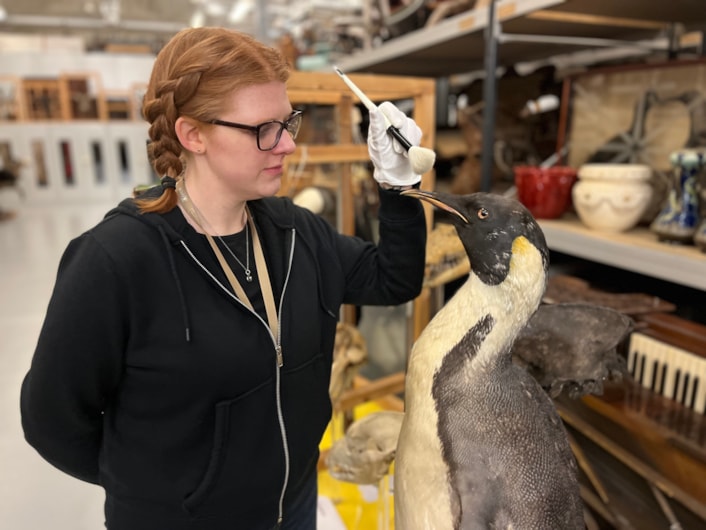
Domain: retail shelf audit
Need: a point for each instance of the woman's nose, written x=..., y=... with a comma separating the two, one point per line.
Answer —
x=286, y=143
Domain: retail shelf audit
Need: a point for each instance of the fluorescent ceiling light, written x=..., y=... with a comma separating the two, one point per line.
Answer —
x=214, y=9
x=198, y=19
x=239, y=11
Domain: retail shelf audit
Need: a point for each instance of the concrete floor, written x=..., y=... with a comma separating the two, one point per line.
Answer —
x=33, y=494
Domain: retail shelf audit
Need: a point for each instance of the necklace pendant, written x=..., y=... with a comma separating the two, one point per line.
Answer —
x=248, y=275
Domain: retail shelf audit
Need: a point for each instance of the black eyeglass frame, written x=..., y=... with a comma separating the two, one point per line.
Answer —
x=296, y=114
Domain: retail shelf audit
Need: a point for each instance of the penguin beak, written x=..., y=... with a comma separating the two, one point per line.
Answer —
x=440, y=200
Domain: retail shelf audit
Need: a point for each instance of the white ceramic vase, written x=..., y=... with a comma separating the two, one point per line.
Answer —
x=612, y=197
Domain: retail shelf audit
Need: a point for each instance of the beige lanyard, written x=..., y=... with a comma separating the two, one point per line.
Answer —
x=262, y=272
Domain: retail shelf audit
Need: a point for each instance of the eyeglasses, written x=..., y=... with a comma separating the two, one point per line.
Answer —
x=268, y=134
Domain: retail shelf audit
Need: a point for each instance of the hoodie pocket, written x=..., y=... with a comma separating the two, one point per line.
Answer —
x=245, y=471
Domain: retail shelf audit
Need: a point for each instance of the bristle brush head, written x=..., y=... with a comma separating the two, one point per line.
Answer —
x=421, y=159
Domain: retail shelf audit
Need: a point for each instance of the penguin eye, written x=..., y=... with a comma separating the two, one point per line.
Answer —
x=483, y=213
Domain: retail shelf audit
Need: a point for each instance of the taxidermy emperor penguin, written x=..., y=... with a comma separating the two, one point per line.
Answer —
x=481, y=445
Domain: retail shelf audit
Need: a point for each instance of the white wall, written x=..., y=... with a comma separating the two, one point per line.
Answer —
x=117, y=71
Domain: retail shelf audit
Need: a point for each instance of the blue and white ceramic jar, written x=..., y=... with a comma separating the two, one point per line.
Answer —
x=678, y=220
x=700, y=235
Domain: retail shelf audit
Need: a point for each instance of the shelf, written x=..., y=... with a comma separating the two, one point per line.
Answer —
x=637, y=250
x=457, y=44
x=454, y=45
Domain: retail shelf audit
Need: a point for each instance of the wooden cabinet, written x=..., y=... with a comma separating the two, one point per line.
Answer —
x=82, y=97
x=327, y=89
x=42, y=98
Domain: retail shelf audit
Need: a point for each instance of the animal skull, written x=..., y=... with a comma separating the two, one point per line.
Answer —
x=364, y=454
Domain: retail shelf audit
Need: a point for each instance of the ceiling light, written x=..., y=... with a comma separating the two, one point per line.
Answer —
x=240, y=10
x=214, y=9
x=110, y=9
x=198, y=19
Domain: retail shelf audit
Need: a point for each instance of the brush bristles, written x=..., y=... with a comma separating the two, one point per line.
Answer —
x=421, y=159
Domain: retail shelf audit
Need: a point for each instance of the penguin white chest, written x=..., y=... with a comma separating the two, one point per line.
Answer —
x=422, y=482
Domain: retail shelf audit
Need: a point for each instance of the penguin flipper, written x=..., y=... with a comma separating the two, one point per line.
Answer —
x=572, y=347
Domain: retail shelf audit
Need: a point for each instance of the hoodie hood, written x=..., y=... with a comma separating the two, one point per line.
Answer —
x=170, y=227
x=171, y=223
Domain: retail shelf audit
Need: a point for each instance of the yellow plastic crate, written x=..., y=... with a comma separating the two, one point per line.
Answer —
x=360, y=507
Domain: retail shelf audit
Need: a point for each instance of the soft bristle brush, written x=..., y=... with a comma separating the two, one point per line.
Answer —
x=420, y=158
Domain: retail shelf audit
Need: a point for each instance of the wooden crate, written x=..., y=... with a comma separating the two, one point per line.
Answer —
x=41, y=98
x=118, y=105
x=82, y=97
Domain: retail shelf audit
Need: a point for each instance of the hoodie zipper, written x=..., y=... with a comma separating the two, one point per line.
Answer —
x=277, y=341
x=280, y=363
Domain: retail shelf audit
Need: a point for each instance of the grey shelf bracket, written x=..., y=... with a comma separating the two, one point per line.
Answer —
x=581, y=41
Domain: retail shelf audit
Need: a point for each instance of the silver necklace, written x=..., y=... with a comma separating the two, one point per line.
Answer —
x=186, y=200
x=246, y=267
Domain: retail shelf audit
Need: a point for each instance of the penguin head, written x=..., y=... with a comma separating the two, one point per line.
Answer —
x=492, y=229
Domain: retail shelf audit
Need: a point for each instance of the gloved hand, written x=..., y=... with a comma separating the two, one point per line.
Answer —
x=390, y=159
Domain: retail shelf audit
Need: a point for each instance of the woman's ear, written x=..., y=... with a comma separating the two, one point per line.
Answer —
x=189, y=134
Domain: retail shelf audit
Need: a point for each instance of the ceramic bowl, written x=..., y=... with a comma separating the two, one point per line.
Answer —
x=545, y=192
x=619, y=172
x=612, y=197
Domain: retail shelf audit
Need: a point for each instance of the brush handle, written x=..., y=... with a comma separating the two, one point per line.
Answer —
x=365, y=100
x=401, y=138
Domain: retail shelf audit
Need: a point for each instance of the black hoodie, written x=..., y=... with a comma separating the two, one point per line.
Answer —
x=151, y=379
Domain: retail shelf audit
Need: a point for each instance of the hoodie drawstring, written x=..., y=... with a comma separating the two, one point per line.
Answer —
x=177, y=281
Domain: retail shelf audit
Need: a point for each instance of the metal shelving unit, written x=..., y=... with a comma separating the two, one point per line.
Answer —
x=531, y=30
x=534, y=30
x=454, y=45
x=637, y=250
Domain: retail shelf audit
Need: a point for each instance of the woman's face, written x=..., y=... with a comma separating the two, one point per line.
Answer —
x=231, y=155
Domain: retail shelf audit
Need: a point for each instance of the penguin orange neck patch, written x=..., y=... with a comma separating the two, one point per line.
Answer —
x=521, y=245
x=525, y=257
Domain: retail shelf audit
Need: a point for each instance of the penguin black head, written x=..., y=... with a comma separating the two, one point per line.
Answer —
x=491, y=227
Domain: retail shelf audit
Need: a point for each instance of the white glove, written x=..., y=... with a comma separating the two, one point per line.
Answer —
x=390, y=159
